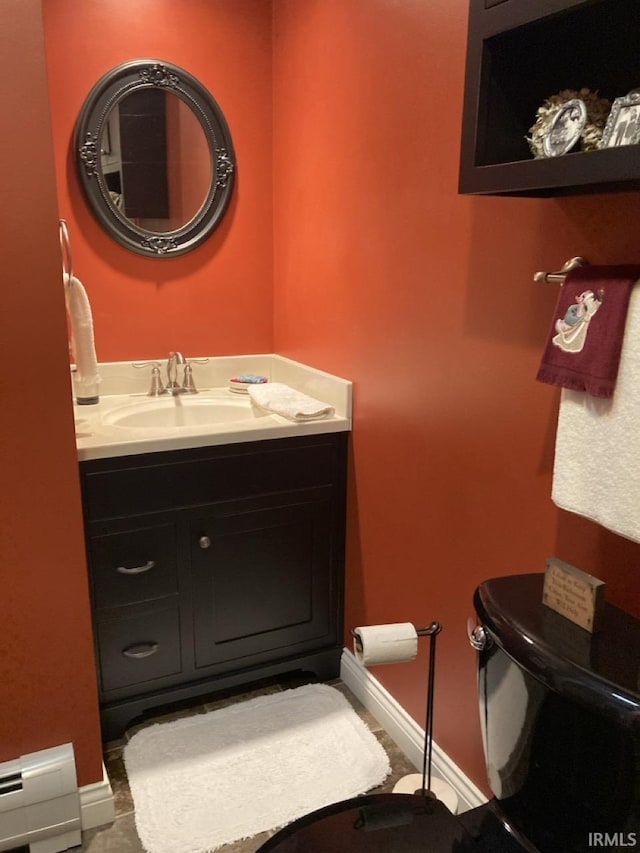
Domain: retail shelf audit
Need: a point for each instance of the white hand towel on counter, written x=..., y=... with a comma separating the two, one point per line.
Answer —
x=597, y=461
x=82, y=342
x=286, y=401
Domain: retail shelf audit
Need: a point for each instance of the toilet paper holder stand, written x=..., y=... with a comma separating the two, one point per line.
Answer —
x=431, y=631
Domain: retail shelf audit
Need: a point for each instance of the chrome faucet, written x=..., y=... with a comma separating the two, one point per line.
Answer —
x=173, y=387
x=175, y=358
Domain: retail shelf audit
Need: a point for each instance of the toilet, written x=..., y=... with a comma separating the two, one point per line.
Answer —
x=560, y=717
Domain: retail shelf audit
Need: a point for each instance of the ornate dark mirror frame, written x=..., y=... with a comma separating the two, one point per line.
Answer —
x=110, y=90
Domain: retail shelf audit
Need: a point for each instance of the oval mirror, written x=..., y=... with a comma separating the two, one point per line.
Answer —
x=155, y=157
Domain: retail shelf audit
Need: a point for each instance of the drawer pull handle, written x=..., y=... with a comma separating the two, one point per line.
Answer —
x=141, y=650
x=136, y=570
x=204, y=542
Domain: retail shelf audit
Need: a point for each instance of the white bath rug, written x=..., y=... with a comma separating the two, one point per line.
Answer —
x=211, y=779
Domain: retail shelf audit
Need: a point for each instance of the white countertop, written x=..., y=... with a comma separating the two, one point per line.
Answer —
x=123, y=386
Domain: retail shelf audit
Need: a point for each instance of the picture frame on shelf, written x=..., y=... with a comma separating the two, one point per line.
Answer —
x=565, y=128
x=558, y=119
x=623, y=124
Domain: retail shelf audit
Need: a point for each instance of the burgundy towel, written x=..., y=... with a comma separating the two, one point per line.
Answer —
x=583, y=347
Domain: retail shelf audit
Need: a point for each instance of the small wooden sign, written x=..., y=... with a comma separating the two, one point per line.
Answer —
x=574, y=594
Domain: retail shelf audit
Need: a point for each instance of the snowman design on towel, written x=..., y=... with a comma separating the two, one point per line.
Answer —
x=572, y=329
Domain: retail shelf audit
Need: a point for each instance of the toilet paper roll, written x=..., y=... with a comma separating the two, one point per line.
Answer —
x=393, y=643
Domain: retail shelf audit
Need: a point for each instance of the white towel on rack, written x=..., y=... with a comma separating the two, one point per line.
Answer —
x=286, y=401
x=87, y=377
x=597, y=460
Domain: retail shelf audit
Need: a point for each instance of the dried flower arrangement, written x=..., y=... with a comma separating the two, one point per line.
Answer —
x=597, y=111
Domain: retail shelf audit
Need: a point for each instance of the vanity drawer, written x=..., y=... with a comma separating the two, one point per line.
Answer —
x=134, y=566
x=139, y=648
x=126, y=486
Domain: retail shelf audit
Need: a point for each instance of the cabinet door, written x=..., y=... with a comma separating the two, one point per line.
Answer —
x=143, y=142
x=263, y=584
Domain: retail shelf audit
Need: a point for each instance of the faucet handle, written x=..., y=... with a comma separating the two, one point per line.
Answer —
x=157, y=388
x=188, y=385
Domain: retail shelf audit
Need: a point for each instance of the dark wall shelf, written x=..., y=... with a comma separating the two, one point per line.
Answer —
x=521, y=52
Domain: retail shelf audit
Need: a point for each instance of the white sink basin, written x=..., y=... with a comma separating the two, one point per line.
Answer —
x=180, y=411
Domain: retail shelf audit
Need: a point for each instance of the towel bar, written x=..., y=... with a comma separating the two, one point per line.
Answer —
x=559, y=276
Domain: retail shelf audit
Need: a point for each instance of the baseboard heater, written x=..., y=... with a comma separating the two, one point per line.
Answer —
x=39, y=801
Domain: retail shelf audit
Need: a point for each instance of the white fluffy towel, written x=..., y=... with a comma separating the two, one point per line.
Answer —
x=286, y=401
x=82, y=343
x=597, y=461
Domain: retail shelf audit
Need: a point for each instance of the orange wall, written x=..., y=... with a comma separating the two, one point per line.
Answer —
x=217, y=300
x=425, y=299
x=380, y=272
x=47, y=676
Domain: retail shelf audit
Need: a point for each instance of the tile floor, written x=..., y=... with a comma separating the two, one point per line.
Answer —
x=121, y=836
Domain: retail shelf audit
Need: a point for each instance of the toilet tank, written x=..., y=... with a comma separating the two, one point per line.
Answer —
x=560, y=715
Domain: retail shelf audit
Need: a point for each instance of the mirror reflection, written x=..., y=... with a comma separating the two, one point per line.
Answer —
x=155, y=160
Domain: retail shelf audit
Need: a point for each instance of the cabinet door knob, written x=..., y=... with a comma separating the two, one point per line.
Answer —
x=136, y=570
x=204, y=542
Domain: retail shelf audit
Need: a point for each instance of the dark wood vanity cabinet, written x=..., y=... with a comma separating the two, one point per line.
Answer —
x=214, y=567
x=521, y=52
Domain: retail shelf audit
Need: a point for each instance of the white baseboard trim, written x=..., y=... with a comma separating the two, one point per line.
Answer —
x=96, y=803
x=404, y=730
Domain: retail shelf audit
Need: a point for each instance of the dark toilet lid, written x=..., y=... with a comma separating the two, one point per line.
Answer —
x=379, y=823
